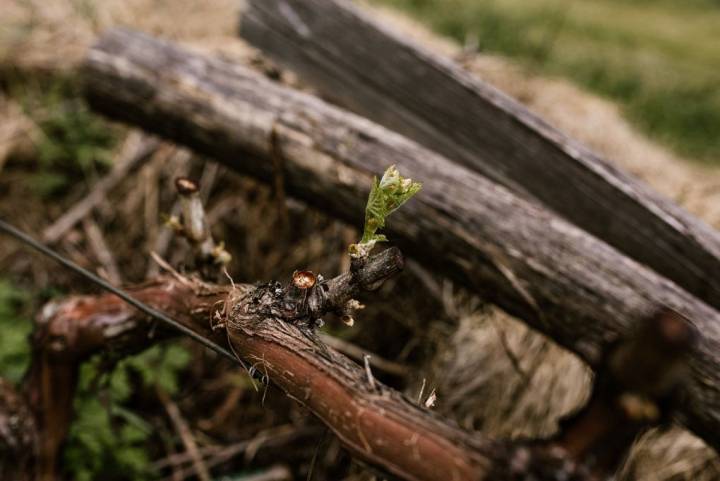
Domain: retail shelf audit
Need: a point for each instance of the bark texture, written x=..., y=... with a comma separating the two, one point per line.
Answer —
x=377, y=424
x=70, y=331
x=362, y=65
x=535, y=265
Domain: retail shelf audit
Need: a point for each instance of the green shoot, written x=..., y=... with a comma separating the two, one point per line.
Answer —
x=386, y=196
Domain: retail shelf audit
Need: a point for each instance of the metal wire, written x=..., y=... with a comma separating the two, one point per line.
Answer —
x=27, y=240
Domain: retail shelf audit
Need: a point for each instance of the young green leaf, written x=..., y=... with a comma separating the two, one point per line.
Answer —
x=386, y=196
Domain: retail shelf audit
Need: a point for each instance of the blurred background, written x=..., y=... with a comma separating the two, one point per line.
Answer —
x=658, y=59
x=637, y=80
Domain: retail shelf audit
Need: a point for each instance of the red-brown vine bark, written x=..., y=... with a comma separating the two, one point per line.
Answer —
x=374, y=422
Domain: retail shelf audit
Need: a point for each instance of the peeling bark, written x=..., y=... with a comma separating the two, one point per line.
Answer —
x=377, y=424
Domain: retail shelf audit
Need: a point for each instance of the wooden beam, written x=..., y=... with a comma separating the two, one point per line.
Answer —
x=360, y=64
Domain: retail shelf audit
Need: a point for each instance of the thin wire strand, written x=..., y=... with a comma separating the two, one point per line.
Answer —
x=27, y=240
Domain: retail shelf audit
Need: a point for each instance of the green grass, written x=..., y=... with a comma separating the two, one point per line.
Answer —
x=108, y=439
x=659, y=59
x=73, y=145
x=15, y=327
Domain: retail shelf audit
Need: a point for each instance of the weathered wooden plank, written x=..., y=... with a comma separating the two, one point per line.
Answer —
x=559, y=279
x=364, y=66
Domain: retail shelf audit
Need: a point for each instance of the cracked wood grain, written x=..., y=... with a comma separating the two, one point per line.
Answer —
x=363, y=65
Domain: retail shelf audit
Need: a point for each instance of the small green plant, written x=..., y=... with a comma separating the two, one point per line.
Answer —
x=108, y=440
x=72, y=141
x=386, y=196
x=15, y=329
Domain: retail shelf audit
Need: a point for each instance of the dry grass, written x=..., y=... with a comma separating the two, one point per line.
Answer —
x=498, y=376
x=54, y=35
x=16, y=129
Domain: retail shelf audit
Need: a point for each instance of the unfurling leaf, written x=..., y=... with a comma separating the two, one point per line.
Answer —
x=386, y=196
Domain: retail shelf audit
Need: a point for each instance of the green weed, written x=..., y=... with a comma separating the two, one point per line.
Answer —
x=108, y=440
x=74, y=144
x=15, y=328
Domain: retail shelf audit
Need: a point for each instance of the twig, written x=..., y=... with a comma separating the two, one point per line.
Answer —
x=162, y=242
x=196, y=229
x=162, y=263
x=276, y=437
x=274, y=473
x=186, y=435
x=273, y=437
x=313, y=461
x=422, y=391
x=103, y=254
x=368, y=371
x=512, y=357
x=149, y=176
x=137, y=148
x=207, y=181
x=278, y=179
x=357, y=353
x=169, y=442
x=232, y=400
x=124, y=295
